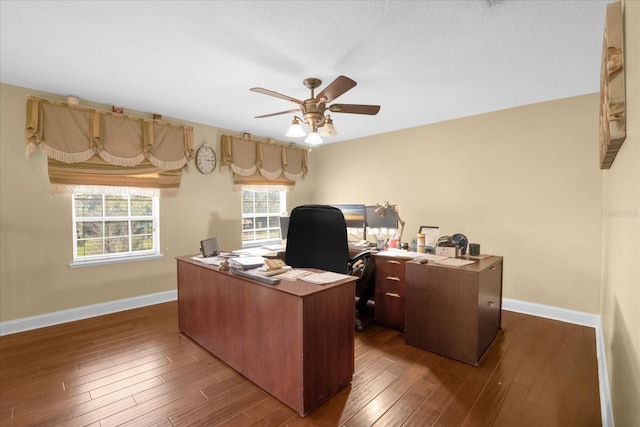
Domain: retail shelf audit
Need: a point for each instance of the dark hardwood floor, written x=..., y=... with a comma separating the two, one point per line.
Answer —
x=135, y=368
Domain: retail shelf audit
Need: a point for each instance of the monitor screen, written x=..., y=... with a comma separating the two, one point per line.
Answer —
x=284, y=227
x=353, y=215
x=373, y=220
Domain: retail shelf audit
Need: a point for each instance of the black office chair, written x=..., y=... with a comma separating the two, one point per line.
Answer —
x=317, y=238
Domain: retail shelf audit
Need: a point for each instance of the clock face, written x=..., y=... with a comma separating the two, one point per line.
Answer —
x=206, y=159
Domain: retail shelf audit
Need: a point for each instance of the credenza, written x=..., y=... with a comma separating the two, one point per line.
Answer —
x=454, y=311
x=294, y=339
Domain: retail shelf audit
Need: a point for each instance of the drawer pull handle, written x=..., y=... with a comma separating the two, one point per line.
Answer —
x=493, y=268
x=392, y=261
x=491, y=303
x=397, y=279
x=391, y=294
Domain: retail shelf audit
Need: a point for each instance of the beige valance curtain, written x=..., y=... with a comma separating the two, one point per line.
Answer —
x=92, y=148
x=255, y=163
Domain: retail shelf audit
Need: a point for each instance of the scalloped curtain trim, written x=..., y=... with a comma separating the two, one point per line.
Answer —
x=270, y=175
x=268, y=162
x=243, y=172
x=61, y=156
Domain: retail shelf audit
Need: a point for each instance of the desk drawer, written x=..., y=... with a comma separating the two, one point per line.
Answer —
x=390, y=267
x=390, y=292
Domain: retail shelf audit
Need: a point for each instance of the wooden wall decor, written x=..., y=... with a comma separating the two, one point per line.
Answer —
x=613, y=128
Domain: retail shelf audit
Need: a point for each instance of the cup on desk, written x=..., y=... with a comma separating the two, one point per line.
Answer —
x=474, y=249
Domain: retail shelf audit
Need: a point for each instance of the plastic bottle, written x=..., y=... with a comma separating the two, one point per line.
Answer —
x=420, y=247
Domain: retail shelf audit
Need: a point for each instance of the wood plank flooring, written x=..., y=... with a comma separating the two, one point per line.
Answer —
x=136, y=369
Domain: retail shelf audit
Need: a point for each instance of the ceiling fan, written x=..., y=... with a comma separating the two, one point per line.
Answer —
x=313, y=109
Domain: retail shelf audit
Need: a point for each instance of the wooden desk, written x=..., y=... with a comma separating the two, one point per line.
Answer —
x=293, y=339
x=454, y=311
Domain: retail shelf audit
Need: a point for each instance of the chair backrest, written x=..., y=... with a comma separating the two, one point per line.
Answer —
x=317, y=238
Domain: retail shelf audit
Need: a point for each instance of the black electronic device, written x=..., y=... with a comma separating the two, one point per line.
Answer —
x=284, y=227
x=210, y=247
x=353, y=214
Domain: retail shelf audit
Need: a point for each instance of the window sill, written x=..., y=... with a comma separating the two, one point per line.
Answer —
x=104, y=261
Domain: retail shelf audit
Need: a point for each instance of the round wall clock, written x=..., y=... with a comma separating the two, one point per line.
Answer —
x=205, y=159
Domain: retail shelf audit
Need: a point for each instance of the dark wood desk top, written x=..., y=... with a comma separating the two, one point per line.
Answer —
x=478, y=265
x=293, y=287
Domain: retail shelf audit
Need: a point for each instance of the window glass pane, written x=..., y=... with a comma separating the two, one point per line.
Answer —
x=274, y=233
x=247, y=236
x=141, y=227
x=114, y=245
x=247, y=224
x=116, y=206
x=261, y=207
x=247, y=202
x=262, y=234
x=141, y=206
x=90, y=247
x=88, y=206
x=87, y=229
x=262, y=222
x=141, y=243
x=273, y=198
x=117, y=228
x=274, y=222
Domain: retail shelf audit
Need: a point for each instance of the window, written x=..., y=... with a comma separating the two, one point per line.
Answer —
x=261, y=211
x=114, y=227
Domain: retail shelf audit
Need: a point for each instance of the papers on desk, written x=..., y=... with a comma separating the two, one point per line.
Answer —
x=246, y=262
x=293, y=274
x=214, y=260
x=430, y=257
x=241, y=262
x=455, y=262
x=324, y=278
x=252, y=252
x=273, y=248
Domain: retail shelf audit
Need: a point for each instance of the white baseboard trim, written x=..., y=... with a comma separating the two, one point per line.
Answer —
x=578, y=318
x=550, y=312
x=79, y=313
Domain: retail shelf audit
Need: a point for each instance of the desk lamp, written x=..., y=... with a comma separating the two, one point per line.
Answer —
x=382, y=211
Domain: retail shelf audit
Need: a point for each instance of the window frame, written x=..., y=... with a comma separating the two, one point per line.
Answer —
x=153, y=253
x=281, y=212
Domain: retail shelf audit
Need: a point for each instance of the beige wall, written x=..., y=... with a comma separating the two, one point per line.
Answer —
x=524, y=183
x=621, y=245
x=36, y=230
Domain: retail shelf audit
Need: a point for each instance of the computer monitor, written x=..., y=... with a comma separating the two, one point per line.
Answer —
x=354, y=217
x=284, y=227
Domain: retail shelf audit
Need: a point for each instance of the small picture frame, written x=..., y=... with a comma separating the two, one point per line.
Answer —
x=431, y=235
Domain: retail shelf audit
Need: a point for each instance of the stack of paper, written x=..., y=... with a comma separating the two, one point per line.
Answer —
x=246, y=262
x=323, y=278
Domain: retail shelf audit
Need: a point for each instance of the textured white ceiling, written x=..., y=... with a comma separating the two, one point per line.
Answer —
x=422, y=61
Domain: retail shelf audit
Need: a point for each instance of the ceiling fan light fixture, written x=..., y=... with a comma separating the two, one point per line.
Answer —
x=295, y=130
x=328, y=129
x=314, y=139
